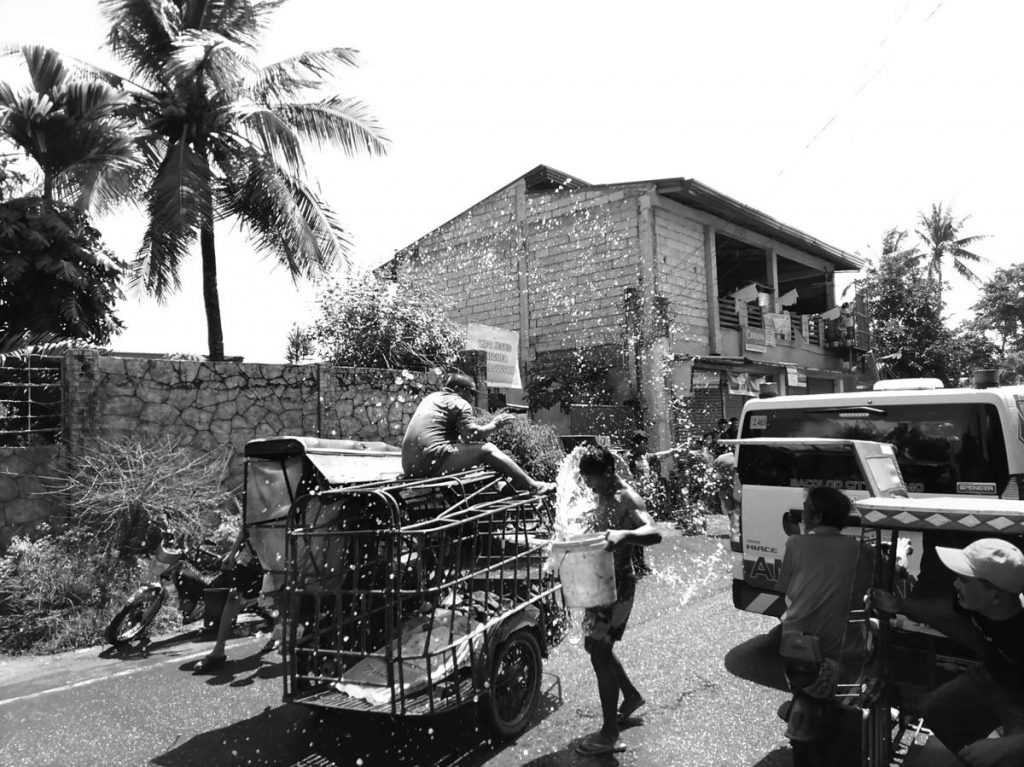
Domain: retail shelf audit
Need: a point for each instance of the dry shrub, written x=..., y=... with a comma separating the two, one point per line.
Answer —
x=126, y=492
x=58, y=591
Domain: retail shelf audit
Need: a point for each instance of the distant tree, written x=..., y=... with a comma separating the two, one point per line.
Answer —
x=299, y=345
x=57, y=280
x=970, y=348
x=226, y=136
x=14, y=180
x=1000, y=309
x=940, y=233
x=904, y=317
x=892, y=242
x=365, y=321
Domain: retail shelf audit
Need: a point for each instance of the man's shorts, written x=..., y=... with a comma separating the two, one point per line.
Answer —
x=605, y=624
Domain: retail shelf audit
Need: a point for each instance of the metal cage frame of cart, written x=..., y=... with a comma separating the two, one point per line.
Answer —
x=417, y=597
x=908, y=660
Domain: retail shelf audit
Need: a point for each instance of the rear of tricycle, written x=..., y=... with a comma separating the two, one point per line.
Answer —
x=417, y=597
x=907, y=659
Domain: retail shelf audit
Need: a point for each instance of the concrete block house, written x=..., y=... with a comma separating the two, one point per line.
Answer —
x=661, y=304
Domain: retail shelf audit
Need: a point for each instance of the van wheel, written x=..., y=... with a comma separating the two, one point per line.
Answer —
x=514, y=684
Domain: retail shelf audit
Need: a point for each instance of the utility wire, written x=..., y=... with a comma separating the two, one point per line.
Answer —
x=860, y=89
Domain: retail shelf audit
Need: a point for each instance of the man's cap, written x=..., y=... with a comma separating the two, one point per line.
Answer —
x=460, y=381
x=639, y=434
x=998, y=562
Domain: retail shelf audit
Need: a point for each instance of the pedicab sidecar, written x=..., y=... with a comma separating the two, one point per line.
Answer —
x=281, y=469
x=416, y=597
x=910, y=659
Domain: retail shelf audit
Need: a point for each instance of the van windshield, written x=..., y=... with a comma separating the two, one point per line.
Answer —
x=946, y=448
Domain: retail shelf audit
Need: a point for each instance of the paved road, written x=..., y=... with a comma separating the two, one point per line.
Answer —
x=708, y=671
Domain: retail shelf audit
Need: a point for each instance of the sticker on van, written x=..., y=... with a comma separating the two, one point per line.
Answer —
x=976, y=488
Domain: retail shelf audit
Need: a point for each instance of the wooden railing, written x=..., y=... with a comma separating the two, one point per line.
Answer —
x=728, y=317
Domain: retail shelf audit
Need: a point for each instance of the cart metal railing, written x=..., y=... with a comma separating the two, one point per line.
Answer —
x=415, y=597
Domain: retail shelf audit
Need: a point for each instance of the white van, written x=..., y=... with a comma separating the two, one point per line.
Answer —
x=946, y=441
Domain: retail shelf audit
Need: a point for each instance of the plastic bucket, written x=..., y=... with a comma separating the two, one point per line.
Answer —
x=586, y=570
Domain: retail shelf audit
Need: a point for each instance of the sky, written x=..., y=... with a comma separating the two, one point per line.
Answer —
x=840, y=119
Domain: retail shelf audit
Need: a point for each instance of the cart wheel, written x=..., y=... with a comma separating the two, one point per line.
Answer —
x=515, y=684
x=134, y=618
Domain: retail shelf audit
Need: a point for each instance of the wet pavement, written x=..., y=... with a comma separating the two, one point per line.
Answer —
x=708, y=671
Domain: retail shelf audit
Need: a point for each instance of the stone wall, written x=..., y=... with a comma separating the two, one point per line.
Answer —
x=23, y=501
x=205, y=405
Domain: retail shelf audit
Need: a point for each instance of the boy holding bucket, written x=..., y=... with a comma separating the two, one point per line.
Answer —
x=622, y=517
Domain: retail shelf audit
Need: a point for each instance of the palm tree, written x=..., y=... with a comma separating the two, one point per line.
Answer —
x=57, y=280
x=225, y=139
x=72, y=125
x=940, y=233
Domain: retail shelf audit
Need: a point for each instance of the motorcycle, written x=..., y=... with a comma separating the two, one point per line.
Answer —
x=197, y=575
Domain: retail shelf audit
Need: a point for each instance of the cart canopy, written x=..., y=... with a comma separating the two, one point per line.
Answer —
x=973, y=514
x=278, y=470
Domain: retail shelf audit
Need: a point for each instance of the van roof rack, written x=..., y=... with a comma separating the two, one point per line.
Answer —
x=907, y=384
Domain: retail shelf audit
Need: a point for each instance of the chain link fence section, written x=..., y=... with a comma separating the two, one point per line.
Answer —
x=30, y=401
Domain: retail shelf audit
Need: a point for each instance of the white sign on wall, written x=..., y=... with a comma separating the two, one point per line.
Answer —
x=502, y=347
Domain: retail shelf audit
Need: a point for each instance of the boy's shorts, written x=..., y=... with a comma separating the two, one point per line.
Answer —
x=605, y=624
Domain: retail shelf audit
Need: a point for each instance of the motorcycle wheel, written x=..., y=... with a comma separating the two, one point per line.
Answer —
x=136, y=616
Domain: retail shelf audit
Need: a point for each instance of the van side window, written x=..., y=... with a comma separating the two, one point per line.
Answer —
x=941, y=448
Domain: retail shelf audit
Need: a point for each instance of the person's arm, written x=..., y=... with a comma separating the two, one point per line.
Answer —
x=782, y=582
x=994, y=752
x=472, y=430
x=937, y=612
x=643, y=533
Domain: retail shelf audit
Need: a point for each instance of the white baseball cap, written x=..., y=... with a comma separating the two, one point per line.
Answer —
x=998, y=562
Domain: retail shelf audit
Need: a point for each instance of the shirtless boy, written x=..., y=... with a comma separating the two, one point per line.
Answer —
x=622, y=517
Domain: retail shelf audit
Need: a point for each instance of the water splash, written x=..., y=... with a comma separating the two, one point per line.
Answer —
x=573, y=499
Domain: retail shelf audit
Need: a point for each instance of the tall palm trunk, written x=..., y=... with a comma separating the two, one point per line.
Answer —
x=211, y=298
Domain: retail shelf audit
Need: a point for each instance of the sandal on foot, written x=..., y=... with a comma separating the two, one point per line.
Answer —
x=626, y=712
x=593, y=747
x=209, y=663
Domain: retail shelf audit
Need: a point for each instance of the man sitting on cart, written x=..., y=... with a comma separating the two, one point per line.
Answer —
x=963, y=712
x=444, y=437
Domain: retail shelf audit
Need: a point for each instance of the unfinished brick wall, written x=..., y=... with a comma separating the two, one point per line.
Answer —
x=579, y=248
x=583, y=254
x=472, y=261
x=682, y=278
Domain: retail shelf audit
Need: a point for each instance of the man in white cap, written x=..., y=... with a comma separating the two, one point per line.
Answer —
x=964, y=711
x=444, y=437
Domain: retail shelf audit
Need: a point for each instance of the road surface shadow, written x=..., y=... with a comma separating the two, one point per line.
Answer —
x=758, y=661
x=780, y=757
x=246, y=627
x=243, y=671
x=293, y=734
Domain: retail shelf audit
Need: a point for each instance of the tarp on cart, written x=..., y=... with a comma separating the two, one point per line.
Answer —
x=280, y=469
